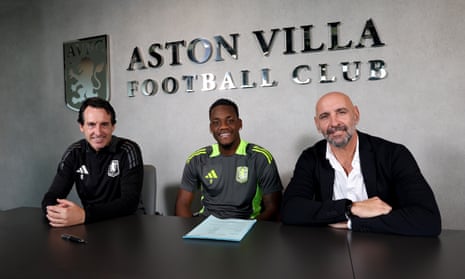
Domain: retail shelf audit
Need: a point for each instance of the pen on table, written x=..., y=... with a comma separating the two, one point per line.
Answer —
x=73, y=238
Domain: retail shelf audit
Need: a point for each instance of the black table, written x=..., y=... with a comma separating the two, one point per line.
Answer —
x=149, y=246
x=387, y=256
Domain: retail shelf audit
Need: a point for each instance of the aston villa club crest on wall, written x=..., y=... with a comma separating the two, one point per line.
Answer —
x=86, y=70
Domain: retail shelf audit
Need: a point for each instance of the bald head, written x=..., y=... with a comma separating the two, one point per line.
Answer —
x=331, y=98
x=336, y=118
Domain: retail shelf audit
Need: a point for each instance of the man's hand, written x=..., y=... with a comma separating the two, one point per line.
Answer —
x=371, y=207
x=65, y=213
x=340, y=225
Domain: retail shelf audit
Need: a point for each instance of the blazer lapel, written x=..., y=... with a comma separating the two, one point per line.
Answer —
x=368, y=164
x=326, y=173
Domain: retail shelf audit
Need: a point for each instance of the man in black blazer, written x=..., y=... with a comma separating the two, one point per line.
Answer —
x=356, y=181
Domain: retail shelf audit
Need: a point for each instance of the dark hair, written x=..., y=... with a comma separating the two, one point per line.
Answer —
x=224, y=102
x=96, y=102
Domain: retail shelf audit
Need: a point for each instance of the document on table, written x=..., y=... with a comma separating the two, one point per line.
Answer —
x=214, y=228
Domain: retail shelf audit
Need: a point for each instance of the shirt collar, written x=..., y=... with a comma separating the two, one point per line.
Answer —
x=330, y=155
x=110, y=148
x=241, y=149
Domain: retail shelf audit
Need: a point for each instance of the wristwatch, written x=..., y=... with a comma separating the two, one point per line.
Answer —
x=348, y=211
x=348, y=214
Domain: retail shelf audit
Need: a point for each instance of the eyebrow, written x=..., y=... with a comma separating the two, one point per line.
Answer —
x=323, y=114
x=341, y=109
x=226, y=117
x=95, y=123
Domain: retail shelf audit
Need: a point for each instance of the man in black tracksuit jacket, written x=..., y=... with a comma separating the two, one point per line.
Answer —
x=107, y=171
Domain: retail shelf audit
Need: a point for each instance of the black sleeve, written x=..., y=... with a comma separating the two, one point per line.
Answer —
x=303, y=203
x=414, y=208
x=63, y=180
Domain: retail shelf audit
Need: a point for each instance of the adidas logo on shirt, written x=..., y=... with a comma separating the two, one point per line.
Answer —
x=82, y=170
x=211, y=175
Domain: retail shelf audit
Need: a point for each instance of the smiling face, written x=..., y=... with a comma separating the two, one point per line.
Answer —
x=225, y=126
x=336, y=118
x=97, y=127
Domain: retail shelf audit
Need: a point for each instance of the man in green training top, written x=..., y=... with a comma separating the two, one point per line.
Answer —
x=237, y=179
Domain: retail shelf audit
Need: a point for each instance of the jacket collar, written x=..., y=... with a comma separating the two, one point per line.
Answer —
x=367, y=163
x=109, y=148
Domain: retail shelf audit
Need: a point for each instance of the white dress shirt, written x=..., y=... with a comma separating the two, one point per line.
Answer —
x=349, y=186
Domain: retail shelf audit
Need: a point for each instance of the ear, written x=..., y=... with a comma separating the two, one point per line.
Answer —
x=316, y=124
x=356, y=115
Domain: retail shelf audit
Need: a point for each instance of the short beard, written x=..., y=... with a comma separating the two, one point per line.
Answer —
x=342, y=143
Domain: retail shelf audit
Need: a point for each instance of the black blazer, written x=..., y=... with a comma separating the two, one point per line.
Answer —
x=389, y=171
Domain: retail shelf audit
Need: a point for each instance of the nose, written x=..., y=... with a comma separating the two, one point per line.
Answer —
x=333, y=120
x=223, y=124
x=99, y=129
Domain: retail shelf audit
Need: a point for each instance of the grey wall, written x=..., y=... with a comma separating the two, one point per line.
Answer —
x=419, y=104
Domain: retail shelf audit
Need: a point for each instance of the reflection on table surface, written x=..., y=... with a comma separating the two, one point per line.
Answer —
x=150, y=246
